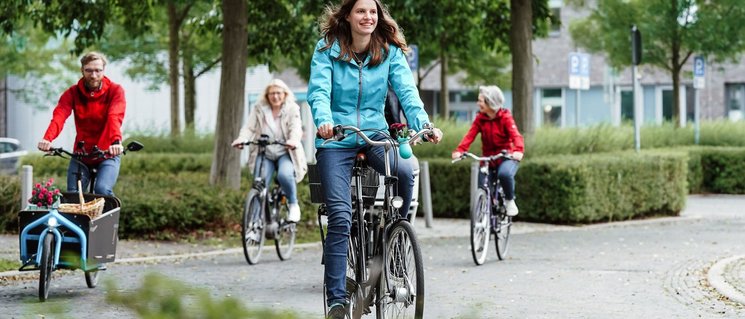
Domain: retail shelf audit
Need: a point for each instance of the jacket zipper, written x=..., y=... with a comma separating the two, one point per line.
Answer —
x=359, y=101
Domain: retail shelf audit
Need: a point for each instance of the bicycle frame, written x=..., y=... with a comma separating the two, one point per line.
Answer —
x=371, y=237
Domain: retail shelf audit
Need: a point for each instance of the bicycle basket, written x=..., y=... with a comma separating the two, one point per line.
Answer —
x=92, y=208
x=370, y=183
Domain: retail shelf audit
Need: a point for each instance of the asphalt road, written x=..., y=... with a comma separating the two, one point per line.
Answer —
x=641, y=269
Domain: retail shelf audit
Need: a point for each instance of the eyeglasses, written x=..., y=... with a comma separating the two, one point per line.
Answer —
x=91, y=71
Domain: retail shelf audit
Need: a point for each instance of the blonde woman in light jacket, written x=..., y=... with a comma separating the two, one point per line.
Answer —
x=277, y=115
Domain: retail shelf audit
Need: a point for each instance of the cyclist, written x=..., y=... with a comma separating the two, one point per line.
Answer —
x=98, y=105
x=277, y=115
x=362, y=50
x=498, y=132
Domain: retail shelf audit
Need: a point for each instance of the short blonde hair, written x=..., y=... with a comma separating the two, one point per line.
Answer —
x=493, y=96
x=92, y=56
x=289, y=96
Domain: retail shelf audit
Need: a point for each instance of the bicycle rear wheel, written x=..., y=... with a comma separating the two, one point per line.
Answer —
x=46, y=266
x=284, y=241
x=480, y=227
x=401, y=287
x=502, y=234
x=252, y=230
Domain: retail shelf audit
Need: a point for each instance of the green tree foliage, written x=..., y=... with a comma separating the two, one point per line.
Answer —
x=672, y=31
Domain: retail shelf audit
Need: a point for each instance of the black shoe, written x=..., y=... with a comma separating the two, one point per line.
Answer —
x=337, y=311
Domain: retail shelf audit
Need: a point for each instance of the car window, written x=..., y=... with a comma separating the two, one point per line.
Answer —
x=6, y=147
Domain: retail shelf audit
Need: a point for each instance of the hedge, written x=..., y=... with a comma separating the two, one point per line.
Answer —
x=576, y=189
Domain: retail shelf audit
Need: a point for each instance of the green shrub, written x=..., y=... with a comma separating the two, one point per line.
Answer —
x=10, y=201
x=724, y=170
x=185, y=143
x=132, y=163
x=161, y=297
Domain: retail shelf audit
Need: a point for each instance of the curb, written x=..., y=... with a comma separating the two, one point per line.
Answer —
x=717, y=280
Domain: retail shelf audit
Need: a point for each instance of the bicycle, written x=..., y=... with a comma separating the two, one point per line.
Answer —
x=384, y=261
x=488, y=214
x=60, y=237
x=265, y=213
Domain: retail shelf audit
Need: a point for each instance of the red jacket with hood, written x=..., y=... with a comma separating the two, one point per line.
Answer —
x=497, y=134
x=98, y=115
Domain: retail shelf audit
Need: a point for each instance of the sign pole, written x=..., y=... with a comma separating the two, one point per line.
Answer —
x=636, y=59
x=699, y=70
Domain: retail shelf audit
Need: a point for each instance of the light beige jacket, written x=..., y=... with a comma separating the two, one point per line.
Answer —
x=292, y=128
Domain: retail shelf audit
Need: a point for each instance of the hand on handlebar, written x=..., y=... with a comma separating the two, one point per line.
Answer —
x=44, y=145
x=238, y=143
x=518, y=156
x=116, y=149
x=326, y=131
x=436, y=136
x=456, y=155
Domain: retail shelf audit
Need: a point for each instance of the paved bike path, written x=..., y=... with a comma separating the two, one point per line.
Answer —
x=726, y=275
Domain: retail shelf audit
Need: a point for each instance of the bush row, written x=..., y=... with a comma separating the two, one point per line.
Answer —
x=576, y=189
x=171, y=195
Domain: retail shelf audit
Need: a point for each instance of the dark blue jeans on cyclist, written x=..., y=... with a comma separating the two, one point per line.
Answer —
x=285, y=174
x=335, y=170
x=108, y=172
x=506, y=174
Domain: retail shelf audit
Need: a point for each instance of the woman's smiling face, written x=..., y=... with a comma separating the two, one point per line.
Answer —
x=364, y=17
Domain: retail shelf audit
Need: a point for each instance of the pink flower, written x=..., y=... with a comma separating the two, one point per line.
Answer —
x=38, y=186
x=33, y=192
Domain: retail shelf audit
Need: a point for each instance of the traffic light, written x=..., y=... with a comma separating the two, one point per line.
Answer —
x=636, y=46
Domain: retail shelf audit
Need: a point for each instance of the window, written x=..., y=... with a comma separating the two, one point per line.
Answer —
x=551, y=104
x=735, y=99
x=554, y=28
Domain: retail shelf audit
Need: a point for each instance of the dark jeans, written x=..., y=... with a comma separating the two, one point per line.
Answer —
x=506, y=174
x=335, y=170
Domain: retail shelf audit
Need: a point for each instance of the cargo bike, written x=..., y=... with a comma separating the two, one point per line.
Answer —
x=81, y=232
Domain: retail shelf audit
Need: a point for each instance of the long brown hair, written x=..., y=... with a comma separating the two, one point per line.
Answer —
x=335, y=27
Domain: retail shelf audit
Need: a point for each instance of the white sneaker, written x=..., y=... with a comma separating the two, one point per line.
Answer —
x=511, y=207
x=294, y=215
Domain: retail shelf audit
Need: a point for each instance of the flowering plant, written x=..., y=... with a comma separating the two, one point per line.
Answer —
x=45, y=194
x=400, y=130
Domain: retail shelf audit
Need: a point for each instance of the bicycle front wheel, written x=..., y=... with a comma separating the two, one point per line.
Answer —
x=46, y=266
x=502, y=235
x=252, y=229
x=284, y=241
x=401, y=288
x=480, y=228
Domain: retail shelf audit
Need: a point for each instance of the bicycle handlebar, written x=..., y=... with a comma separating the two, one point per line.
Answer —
x=484, y=158
x=96, y=153
x=264, y=141
x=340, y=129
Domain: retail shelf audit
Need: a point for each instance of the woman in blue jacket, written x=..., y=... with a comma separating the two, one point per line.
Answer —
x=362, y=51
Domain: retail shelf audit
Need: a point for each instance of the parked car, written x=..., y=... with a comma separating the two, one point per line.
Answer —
x=10, y=155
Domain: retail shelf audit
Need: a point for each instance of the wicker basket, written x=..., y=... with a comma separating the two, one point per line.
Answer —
x=93, y=208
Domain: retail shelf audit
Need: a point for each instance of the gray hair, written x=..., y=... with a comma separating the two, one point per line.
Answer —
x=493, y=96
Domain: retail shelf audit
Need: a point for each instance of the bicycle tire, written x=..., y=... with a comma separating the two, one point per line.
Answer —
x=502, y=234
x=284, y=240
x=252, y=227
x=480, y=227
x=46, y=266
x=404, y=270
x=352, y=288
x=91, y=278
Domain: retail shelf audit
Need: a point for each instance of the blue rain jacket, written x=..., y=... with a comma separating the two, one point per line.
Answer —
x=341, y=92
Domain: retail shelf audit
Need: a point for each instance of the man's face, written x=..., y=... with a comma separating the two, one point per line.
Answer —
x=93, y=73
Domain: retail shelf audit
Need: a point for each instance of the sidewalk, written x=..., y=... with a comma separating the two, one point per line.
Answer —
x=727, y=275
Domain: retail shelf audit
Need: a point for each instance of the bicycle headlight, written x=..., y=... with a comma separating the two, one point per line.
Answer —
x=397, y=202
x=52, y=222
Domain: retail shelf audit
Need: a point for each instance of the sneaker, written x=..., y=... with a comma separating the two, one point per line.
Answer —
x=511, y=207
x=337, y=311
x=294, y=215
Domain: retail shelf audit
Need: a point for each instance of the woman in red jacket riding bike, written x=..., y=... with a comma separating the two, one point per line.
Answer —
x=498, y=132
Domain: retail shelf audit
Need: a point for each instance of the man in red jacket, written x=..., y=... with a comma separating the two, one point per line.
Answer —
x=498, y=132
x=98, y=105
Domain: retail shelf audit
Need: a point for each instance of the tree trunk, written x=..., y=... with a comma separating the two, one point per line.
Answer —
x=190, y=93
x=444, y=94
x=521, y=47
x=226, y=161
x=174, y=24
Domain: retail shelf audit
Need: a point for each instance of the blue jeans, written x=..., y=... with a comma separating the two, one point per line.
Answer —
x=506, y=175
x=285, y=174
x=108, y=172
x=335, y=170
